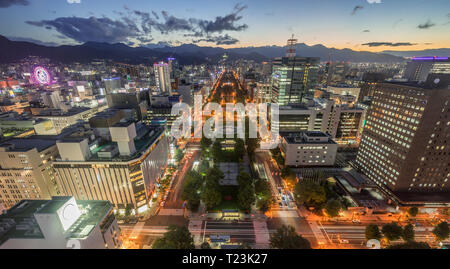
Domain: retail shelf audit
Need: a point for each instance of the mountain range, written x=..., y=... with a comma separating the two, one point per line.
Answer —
x=186, y=53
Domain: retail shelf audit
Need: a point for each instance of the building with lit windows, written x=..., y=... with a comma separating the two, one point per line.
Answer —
x=419, y=68
x=162, y=78
x=125, y=170
x=294, y=79
x=61, y=120
x=309, y=148
x=263, y=92
x=345, y=124
x=405, y=143
x=60, y=223
x=26, y=170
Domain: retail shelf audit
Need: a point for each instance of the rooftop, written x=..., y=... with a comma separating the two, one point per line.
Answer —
x=19, y=221
x=26, y=144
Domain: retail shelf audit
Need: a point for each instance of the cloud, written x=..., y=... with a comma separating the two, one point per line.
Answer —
x=219, y=40
x=8, y=3
x=137, y=27
x=366, y=31
x=356, y=8
x=426, y=25
x=74, y=1
x=374, y=1
x=225, y=23
x=91, y=29
x=388, y=44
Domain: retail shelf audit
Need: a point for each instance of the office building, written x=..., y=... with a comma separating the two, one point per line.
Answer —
x=419, y=68
x=124, y=170
x=112, y=84
x=293, y=79
x=60, y=223
x=162, y=78
x=26, y=170
x=308, y=149
x=405, y=142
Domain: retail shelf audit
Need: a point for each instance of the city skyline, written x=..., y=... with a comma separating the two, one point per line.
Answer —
x=414, y=25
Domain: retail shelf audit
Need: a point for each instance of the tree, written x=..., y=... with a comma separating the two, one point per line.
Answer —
x=245, y=245
x=252, y=145
x=179, y=155
x=211, y=194
x=287, y=238
x=128, y=209
x=244, y=178
x=246, y=196
x=217, y=151
x=205, y=143
x=205, y=245
x=413, y=211
x=264, y=204
x=309, y=193
x=410, y=245
x=175, y=238
x=239, y=148
x=191, y=190
x=408, y=233
x=373, y=232
x=392, y=231
x=332, y=207
x=441, y=231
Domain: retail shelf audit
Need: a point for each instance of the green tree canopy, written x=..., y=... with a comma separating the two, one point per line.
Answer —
x=211, y=194
x=373, y=232
x=205, y=245
x=408, y=233
x=246, y=196
x=309, y=193
x=217, y=151
x=332, y=207
x=179, y=155
x=239, y=149
x=410, y=245
x=441, y=231
x=192, y=188
x=413, y=211
x=392, y=231
x=175, y=238
x=205, y=143
x=287, y=238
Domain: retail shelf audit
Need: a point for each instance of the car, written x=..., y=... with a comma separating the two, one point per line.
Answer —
x=343, y=241
x=356, y=221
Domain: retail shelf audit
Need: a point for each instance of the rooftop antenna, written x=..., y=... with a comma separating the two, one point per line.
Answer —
x=291, y=47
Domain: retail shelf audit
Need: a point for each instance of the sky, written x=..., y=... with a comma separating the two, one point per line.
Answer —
x=369, y=25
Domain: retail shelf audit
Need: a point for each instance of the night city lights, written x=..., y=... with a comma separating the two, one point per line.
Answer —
x=234, y=133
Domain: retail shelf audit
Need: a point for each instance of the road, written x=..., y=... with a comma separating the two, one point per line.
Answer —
x=355, y=233
x=174, y=200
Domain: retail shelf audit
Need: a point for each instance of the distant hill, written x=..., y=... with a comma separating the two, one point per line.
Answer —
x=186, y=53
x=413, y=53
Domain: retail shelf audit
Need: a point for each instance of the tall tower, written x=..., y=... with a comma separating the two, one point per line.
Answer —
x=291, y=47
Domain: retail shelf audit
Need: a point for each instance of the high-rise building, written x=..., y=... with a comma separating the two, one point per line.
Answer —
x=293, y=79
x=124, y=170
x=405, y=142
x=162, y=78
x=419, y=68
x=60, y=223
x=26, y=170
